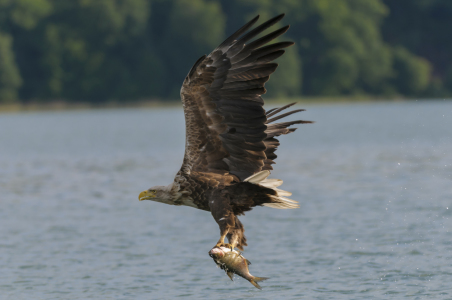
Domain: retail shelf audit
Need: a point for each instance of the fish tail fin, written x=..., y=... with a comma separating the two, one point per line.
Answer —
x=260, y=278
x=255, y=280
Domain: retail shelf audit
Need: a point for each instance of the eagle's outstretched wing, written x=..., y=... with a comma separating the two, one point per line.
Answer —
x=227, y=129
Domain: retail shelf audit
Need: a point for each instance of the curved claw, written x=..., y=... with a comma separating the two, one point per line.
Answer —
x=219, y=245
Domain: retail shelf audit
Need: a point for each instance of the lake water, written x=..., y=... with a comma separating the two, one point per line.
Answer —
x=374, y=182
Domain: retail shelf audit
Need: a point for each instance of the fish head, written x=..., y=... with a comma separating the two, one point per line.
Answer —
x=216, y=253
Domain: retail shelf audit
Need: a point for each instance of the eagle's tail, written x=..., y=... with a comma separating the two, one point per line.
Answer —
x=278, y=200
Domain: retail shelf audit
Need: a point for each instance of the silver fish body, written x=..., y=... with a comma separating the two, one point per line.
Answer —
x=232, y=262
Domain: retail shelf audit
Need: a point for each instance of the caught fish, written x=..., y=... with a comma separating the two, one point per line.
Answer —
x=232, y=262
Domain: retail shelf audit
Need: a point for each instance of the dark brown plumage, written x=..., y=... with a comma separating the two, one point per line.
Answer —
x=230, y=138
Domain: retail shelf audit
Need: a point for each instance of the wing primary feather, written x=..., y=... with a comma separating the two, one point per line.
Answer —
x=283, y=115
x=239, y=44
x=245, y=85
x=270, y=48
x=269, y=57
x=270, y=111
x=253, y=68
x=267, y=38
x=276, y=110
x=251, y=47
x=238, y=33
x=249, y=73
x=257, y=55
x=260, y=28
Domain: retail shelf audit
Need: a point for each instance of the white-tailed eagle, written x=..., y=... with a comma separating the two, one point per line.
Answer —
x=230, y=139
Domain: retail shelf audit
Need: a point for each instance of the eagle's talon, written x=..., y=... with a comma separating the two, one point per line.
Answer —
x=219, y=245
x=230, y=246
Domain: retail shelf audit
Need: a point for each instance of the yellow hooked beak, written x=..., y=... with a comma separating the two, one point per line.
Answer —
x=146, y=195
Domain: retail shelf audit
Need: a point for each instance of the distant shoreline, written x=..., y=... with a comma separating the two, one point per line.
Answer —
x=62, y=106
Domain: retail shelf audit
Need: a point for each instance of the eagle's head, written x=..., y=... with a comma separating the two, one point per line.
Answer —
x=159, y=194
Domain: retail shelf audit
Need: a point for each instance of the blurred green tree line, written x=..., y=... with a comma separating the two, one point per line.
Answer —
x=124, y=50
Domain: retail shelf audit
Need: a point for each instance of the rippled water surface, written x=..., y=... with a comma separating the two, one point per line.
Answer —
x=374, y=183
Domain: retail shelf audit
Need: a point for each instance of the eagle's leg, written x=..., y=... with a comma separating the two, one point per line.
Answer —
x=236, y=235
x=224, y=232
x=222, y=213
x=221, y=243
x=232, y=240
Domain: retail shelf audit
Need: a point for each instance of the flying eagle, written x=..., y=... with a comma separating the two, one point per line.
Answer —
x=230, y=139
